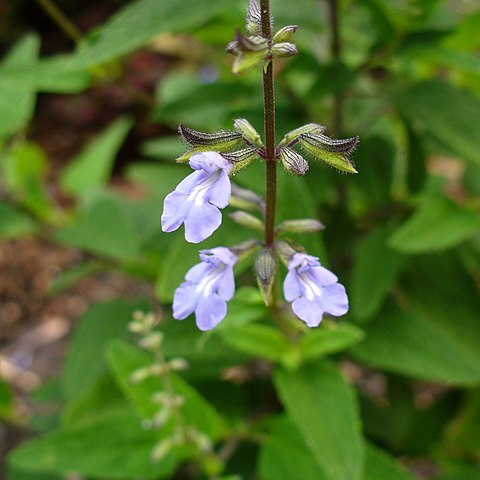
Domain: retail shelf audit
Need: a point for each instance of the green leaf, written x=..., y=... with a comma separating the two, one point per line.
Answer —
x=379, y=465
x=284, y=456
x=447, y=113
x=106, y=228
x=124, y=359
x=322, y=406
x=375, y=268
x=17, y=101
x=99, y=449
x=439, y=224
x=92, y=167
x=85, y=364
x=25, y=168
x=6, y=401
x=330, y=338
x=14, y=223
x=260, y=341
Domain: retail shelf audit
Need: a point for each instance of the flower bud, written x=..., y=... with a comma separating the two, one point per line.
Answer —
x=332, y=152
x=241, y=159
x=254, y=18
x=244, y=249
x=303, y=225
x=247, y=220
x=245, y=199
x=292, y=137
x=293, y=162
x=285, y=34
x=247, y=60
x=246, y=130
x=285, y=251
x=161, y=449
x=265, y=269
x=252, y=43
x=284, y=50
x=223, y=139
x=152, y=341
x=178, y=364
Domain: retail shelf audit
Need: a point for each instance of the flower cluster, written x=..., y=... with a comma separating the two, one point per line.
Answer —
x=312, y=290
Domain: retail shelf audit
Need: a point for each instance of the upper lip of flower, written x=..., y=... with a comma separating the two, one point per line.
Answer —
x=208, y=282
x=201, y=189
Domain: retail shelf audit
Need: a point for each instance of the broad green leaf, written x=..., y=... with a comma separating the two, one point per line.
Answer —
x=379, y=466
x=285, y=456
x=106, y=228
x=260, y=341
x=322, y=406
x=99, y=449
x=124, y=359
x=92, y=167
x=328, y=339
x=375, y=268
x=85, y=363
x=438, y=224
x=17, y=102
x=25, y=168
x=461, y=472
x=414, y=345
x=14, y=223
x=165, y=148
x=447, y=113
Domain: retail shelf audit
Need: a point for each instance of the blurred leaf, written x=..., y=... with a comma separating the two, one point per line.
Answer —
x=331, y=79
x=25, y=168
x=261, y=341
x=417, y=160
x=330, y=338
x=124, y=359
x=165, y=148
x=322, y=406
x=461, y=472
x=106, y=228
x=284, y=456
x=99, y=449
x=447, y=113
x=6, y=401
x=73, y=275
x=101, y=323
x=438, y=224
x=14, y=223
x=463, y=434
x=92, y=167
x=17, y=101
x=379, y=465
x=375, y=268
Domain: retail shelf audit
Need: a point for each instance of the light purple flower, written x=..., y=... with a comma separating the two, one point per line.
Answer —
x=197, y=199
x=313, y=290
x=207, y=288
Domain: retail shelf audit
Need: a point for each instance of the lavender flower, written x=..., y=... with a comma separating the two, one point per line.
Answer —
x=207, y=288
x=313, y=290
x=197, y=199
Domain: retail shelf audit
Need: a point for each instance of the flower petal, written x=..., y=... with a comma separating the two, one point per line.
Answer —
x=185, y=300
x=210, y=162
x=291, y=286
x=226, y=284
x=334, y=299
x=219, y=193
x=201, y=221
x=310, y=311
x=197, y=272
x=210, y=312
x=191, y=181
x=322, y=276
x=175, y=209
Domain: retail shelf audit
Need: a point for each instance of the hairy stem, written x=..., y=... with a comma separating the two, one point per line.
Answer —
x=269, y=122
x=336, y=51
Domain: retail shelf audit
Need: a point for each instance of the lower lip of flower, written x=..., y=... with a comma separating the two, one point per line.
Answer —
x=207, y=283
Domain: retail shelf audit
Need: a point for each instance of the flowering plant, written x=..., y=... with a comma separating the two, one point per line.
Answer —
x=312, y=289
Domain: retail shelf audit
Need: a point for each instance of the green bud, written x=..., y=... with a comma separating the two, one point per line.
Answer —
x=293, y=162
x=286, y=251
x=303, y=225
x=244, y=249
x=292, y=137
x=254, y=18
x=265, y=269
x=246, y=199
x=285, y=34
x=247, y=60
x=247, y=220
x=252, y=43
x=335, y=155
x=284, y=50
x=246, y=130
x=241, y=159
x=161, y=450
x=346, y=146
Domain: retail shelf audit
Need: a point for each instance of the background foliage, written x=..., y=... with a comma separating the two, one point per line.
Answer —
x=391, y=387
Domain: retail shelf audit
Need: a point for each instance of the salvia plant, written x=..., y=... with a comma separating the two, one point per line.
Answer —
x=197, y=200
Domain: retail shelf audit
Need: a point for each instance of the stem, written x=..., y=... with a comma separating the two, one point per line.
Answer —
x=336, y=51
x=65, y=24
x=269, y=122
